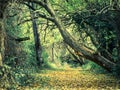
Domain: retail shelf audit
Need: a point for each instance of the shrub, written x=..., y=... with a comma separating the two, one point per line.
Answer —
x=93, y=67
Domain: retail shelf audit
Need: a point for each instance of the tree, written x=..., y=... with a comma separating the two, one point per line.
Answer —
x=38, y=47
x=101, y=25
x=3, y=5
x=68, y=39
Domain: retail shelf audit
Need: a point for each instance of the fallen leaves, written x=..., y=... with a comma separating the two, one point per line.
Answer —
x=73, y=80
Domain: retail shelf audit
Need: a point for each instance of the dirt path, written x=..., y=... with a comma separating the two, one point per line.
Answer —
x=73, y=80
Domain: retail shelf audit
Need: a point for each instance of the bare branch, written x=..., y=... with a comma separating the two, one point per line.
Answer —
x=39, y=15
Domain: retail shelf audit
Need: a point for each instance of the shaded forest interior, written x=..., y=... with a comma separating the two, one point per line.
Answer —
x=45, y=36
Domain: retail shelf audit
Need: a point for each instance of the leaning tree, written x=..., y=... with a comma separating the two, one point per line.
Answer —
x=53, y=17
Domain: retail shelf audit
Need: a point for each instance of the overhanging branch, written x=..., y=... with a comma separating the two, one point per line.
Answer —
x=39, y=16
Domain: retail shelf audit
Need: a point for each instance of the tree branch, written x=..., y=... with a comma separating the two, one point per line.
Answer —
x=22, y=39
x=39, y=15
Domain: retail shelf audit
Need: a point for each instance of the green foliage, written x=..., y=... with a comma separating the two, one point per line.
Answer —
x=91, y=66
x=46, y=62
x=24, y=79
x=20, y=56
x=72, y=62
x=116, y=70
x=99, y=24
x=7, y=80
x=23, y=74
x=90, y=23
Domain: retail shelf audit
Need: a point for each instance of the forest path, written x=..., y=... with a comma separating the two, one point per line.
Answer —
x=73, y=80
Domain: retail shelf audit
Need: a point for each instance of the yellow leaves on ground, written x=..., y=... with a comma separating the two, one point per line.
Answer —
x=73, y=80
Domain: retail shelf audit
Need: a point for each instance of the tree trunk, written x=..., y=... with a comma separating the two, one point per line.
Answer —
x=86, y=53
x=1, y=43
x=68, y=39
x=3, y=4
x=38, y=47
x=53, y=52
x=1, y=39
x=75, y=57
